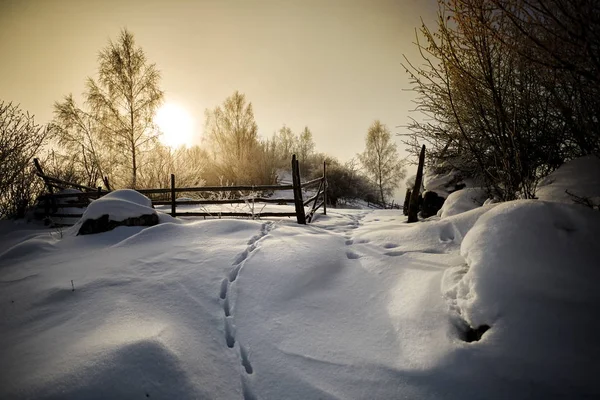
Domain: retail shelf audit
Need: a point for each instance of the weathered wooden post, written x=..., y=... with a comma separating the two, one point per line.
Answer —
x=406, y=202
x=324, y=187
x=413, y=208
x=298, y=202
x=41, y=174
x=173, y=195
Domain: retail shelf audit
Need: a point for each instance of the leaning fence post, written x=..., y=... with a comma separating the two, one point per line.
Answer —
x=413, y=207
x=324, y=187
x=299, y=204
x=36, y=162
x=173, y=195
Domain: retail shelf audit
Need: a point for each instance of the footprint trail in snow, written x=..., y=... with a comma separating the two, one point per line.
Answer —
x=225, y=294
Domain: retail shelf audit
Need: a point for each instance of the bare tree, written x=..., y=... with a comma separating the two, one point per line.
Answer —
x=306, y=145
x=122, y=103
x=487, y=107
x=233, y=136
x=20, y=140
x=285, y=143
x=381, y=161
x=125, y=97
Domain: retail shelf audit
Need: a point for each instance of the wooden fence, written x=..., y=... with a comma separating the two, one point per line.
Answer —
x=52, y=201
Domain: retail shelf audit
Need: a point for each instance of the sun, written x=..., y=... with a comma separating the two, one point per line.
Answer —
x=176, y=125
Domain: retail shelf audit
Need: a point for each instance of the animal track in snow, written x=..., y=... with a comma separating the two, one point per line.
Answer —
x=397, y=253
x=224, y=297
x=229, y=332
x=245, y=361
x=352, y=255
x=223, y=291
x=394, y=253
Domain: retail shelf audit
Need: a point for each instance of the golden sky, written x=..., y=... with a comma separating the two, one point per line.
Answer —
x=333, y=65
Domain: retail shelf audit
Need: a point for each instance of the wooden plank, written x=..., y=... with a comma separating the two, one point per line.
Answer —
x=222, y=201
x=173, y=202
x=318, y=193
x=56, y=180
x=307, y=202
x=309, y=183
x=218, y=189
x=234, y=214
x=325, y=187
x=80, y=195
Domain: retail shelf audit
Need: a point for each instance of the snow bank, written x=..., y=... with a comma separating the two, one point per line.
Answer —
x=463, y=200
x=580, y=177
x=532, y=274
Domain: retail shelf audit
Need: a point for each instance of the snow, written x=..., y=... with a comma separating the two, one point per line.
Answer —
x=580, y=177
x=443, y=183
x=463, y=200
x=532, y=275
x=358, y=304
x=119, y=205
x=129, y=195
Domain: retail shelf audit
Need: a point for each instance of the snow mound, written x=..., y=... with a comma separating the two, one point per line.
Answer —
x=463, y=200
x=119, y=205
x=581, y=177
x=129, y=195
x=531, y=275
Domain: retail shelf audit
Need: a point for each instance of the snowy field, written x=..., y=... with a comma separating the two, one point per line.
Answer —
x=357, y=305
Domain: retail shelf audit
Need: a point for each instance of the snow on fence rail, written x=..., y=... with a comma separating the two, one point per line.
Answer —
x=52, y=202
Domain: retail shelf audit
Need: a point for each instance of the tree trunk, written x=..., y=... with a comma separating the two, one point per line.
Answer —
x=133, y=168
x=381, y=192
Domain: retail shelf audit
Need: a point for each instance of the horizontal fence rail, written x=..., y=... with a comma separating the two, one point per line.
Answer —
x=55, y=203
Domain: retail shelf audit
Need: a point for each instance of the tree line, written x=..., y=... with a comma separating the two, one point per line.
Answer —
x=510, y=89
x=111, y=139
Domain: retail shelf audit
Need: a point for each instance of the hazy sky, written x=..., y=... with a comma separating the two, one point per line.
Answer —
x=332, y=65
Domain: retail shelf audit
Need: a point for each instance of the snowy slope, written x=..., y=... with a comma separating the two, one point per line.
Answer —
x=358, y=305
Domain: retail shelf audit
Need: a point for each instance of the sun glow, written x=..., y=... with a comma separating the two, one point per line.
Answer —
x=176, y=125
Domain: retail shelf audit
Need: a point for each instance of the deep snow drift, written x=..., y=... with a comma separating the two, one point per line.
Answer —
x=357, y=305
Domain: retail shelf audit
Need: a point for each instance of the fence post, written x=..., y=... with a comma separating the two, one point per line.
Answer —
x=300, y=216
x=406, y=201
x=99, y=192
x=324, y=187
x=413, y=207
x=173, y=195
x=36, y=162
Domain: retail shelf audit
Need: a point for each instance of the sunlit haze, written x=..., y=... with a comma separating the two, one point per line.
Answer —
x=176, y=125
x=334, y=66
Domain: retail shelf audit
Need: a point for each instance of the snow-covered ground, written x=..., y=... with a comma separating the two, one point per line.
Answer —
x=357, y=305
